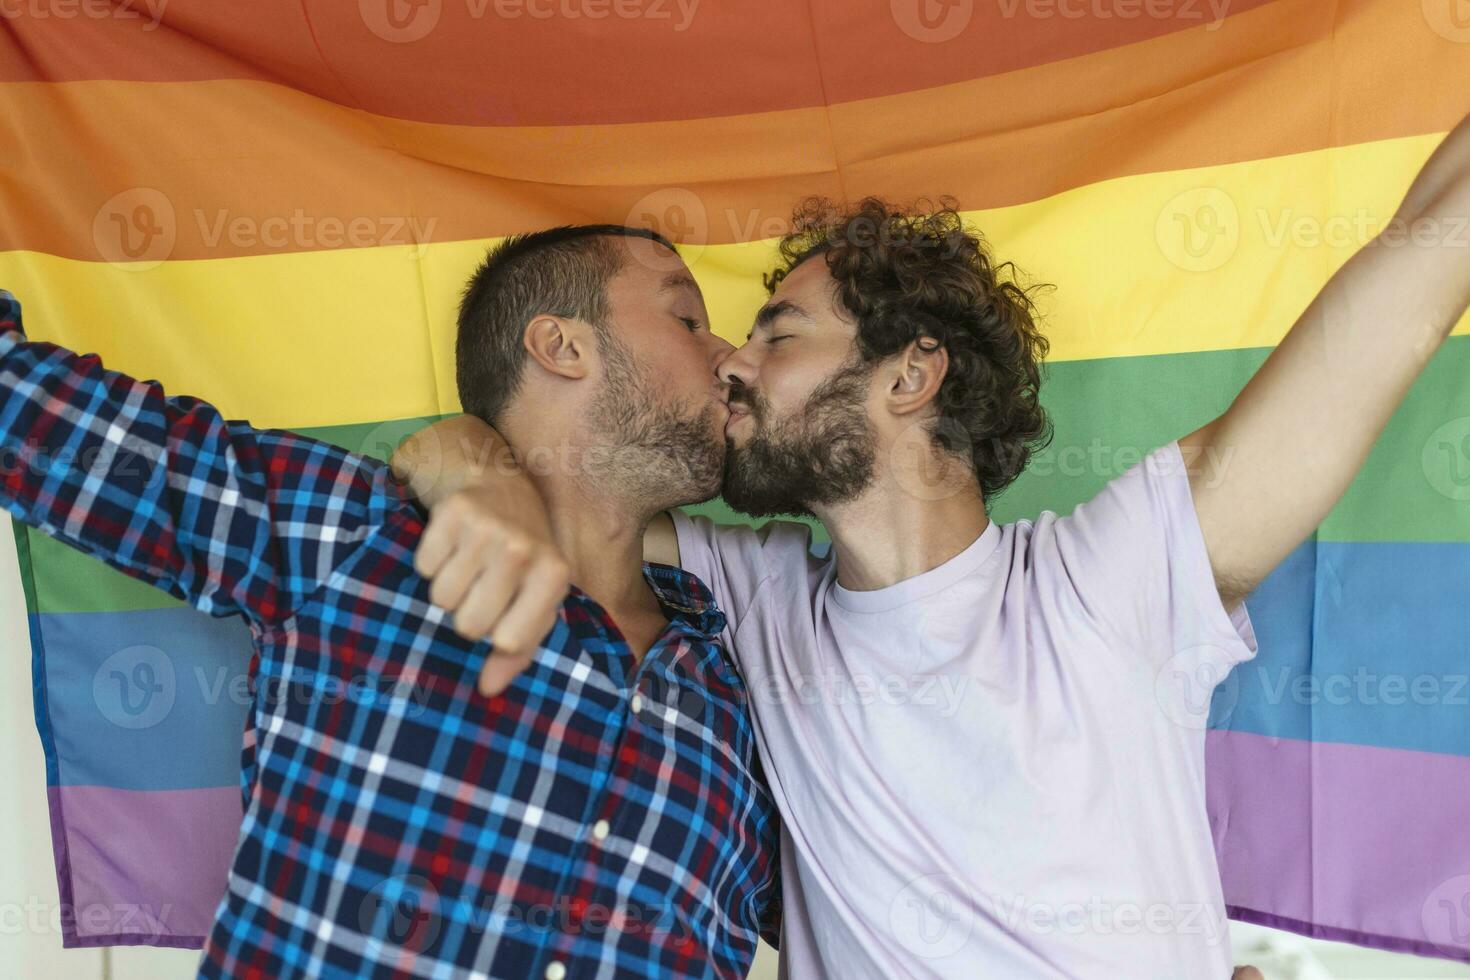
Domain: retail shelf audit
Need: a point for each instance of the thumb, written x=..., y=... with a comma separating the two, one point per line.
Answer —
x=501, y=670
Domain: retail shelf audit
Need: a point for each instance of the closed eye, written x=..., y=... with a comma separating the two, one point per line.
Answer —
x=777, y=340
x=691, y=323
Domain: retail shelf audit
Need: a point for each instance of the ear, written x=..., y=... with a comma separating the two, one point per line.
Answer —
x=559, y=345
x=917, y=374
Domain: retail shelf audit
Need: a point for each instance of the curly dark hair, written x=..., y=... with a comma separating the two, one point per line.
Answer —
x=905, y=274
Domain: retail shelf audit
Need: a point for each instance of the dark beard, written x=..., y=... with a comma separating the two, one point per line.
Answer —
x=823, y=455
x=654, y=454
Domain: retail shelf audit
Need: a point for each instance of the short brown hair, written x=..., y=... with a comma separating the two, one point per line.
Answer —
x=560, y=272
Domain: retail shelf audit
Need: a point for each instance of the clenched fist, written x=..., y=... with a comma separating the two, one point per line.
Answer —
x=488, y=550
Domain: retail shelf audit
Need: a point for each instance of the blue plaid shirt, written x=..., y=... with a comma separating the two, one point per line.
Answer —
x=604, y=817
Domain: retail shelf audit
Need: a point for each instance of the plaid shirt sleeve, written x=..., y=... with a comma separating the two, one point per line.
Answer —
x=229, y=518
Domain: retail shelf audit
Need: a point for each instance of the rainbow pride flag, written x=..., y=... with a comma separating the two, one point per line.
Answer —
x=273, y=206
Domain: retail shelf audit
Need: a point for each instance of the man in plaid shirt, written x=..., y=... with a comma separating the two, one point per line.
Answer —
x=604, y=814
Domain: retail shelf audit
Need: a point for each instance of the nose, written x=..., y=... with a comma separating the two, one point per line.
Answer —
x=737, y=367
x=719, y=348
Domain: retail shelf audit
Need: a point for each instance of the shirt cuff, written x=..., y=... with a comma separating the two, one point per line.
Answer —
x=10, y=326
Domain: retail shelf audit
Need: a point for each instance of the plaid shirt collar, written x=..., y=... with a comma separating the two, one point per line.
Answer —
x=685, y=599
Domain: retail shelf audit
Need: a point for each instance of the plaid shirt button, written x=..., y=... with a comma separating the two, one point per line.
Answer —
x=556, y=970
x=637, y=703
x=600, y=830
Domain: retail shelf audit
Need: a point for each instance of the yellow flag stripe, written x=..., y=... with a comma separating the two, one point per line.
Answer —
x=1214, y=258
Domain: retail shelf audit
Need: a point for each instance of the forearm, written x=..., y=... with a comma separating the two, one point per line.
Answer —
x=51, y=449
x=452, y=455
x=165, y=489
x=1374, y=328
x=464, y=453
x=1431, y=231
x=1443, y=183
x=1324, y=395
x=1346, y=365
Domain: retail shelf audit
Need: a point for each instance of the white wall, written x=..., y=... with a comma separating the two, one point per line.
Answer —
x=30, y=944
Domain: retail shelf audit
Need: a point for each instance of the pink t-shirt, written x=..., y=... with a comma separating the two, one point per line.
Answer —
x=995, y=768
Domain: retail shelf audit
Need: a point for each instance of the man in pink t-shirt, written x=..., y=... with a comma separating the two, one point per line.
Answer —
x=995, y=767
x=986, y=741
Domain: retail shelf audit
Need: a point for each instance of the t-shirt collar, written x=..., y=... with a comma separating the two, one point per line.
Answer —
x=925, y=583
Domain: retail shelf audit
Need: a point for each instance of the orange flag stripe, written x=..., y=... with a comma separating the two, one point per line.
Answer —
x=230, y=168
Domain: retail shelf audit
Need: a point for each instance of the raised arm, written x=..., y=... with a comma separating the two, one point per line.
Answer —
x=228, y=518
x=1295, y=436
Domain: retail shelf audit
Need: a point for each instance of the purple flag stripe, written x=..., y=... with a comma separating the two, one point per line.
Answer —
x=141, y=892
x=1382, y=857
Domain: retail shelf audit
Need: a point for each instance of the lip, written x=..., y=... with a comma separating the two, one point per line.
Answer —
x=735, y=416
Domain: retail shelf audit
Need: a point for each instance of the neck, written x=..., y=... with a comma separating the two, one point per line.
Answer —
x=601, y=537
x=906, y=523
x=598, y=530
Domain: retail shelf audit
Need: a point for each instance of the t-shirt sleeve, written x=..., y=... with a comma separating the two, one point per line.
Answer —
x=734, y=560
x=1136, y=559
